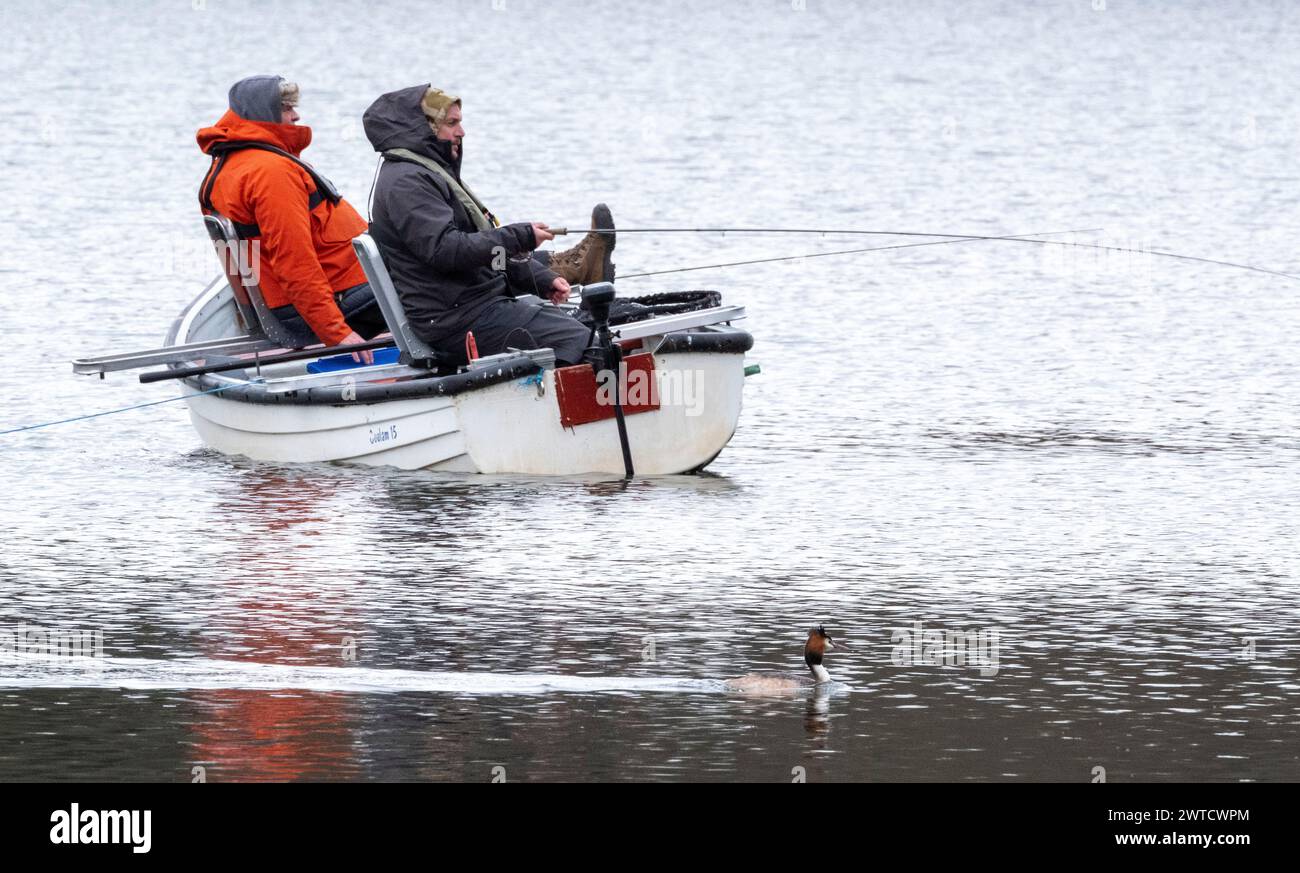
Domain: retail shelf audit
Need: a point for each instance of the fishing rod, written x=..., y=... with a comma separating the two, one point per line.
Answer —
x=940, y=242
x=1026, y=238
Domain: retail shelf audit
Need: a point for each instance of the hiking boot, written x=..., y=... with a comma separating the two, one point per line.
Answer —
x=589, y=261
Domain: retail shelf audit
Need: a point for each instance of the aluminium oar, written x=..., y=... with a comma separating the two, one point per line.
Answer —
x=186, y=372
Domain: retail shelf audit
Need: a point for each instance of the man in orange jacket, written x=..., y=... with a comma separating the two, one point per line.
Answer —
x=310, y=275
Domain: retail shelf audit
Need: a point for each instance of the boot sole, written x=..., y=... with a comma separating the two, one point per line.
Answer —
x=603, y=218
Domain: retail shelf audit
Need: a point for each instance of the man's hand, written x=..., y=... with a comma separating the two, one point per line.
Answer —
x=541, y=233
x=560, y=290
x=365, y=355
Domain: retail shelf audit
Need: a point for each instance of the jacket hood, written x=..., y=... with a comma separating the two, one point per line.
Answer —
x=257, y=98
x=293, y=138
x=396, y=121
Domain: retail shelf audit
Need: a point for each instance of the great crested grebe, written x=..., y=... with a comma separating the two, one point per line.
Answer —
x=768, y=683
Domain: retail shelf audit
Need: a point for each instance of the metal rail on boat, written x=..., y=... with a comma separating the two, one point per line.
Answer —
x=680, y=321
x=238, y=345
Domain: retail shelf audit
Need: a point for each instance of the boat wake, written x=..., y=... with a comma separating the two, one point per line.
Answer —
x=209, y=674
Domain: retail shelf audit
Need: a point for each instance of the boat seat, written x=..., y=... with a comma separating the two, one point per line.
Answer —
x=415, y=351
x=254, y=315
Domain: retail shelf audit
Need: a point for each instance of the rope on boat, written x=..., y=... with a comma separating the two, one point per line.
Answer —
x=115, y=411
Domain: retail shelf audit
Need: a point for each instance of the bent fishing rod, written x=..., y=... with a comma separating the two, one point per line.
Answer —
x=946, y=237
x=940, y=242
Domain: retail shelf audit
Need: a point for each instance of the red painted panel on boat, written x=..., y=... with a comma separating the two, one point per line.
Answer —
x=576, y=390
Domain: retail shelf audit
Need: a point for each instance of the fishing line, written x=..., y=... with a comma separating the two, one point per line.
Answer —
x=1026, y=238
x=944, y=239
x=940, y=242
x=115, y=411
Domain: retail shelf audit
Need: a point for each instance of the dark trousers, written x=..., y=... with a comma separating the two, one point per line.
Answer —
x=507, y=323
x=360, y=310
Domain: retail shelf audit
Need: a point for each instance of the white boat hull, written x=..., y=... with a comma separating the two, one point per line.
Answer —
x=512, y=426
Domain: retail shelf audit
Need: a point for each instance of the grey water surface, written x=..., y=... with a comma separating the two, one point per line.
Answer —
x=1087, y=457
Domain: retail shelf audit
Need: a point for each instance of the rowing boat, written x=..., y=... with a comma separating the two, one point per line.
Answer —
x=671, y=408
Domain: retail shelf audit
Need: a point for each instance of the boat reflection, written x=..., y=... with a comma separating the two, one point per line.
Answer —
x=257, y=735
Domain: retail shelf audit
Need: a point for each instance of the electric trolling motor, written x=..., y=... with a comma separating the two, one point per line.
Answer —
x=607, y=355
x=596, y=299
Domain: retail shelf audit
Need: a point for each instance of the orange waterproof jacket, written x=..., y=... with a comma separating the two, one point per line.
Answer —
x=305, y=251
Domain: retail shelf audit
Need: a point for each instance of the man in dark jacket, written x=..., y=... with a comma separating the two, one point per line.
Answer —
x=455, y=269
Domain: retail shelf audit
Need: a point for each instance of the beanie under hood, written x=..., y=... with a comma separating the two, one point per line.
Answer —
x=257, y=98
x=396, y=120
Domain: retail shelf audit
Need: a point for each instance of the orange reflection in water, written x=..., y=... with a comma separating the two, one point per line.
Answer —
x=282, y=735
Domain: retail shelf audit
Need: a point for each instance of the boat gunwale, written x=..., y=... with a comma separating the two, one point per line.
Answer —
x=719, y=340
x=710, y=339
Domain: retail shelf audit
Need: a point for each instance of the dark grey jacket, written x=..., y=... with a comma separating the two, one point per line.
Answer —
x=441, y=264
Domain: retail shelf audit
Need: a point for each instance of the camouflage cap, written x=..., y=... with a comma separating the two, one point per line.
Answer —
x=435, y=104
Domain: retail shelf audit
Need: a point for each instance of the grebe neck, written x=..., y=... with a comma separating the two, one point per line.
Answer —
x=819, y=673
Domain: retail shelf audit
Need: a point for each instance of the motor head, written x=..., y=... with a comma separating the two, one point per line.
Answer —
x=603, y=353
x=596, y=299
